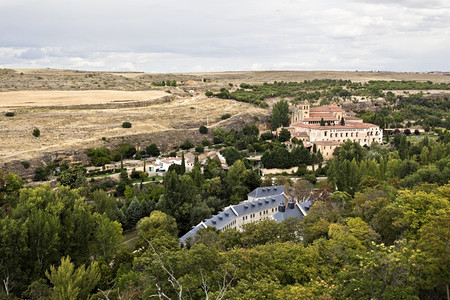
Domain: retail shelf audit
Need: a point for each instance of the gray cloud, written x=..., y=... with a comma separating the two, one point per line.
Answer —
x=201, y=35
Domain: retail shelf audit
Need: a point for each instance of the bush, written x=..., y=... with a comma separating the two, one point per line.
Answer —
x=226, y=116
x=36, y=132
x=203, y=129
x=123, y=151
x=267, y=136
x=187, y=145
x=209, y=94
x=135, y=174
x=200, y=149
x=10, y=114
x=206, y=143
x=152, y=150
x=25, y=164
x=126, y=125
x=40, y=174
x=311, y=178
x=99, y=156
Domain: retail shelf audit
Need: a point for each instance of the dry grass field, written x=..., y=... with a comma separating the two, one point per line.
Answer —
x=75, y=110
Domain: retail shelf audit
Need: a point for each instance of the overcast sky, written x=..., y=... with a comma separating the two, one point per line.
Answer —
x=211, y=35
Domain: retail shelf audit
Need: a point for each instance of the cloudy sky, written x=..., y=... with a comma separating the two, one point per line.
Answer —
x=211, y=35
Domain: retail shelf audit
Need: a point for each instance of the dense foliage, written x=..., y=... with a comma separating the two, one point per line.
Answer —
x=417, y=109
x=378, y=229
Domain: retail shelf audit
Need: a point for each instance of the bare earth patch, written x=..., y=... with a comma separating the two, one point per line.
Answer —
x=70, y=98
x=72, y=128
x=75, y=110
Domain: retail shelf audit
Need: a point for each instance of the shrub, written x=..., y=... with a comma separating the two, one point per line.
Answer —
x=203, y=129
x=311, y=178
x=36, y=132
x=209, y=94
x=40, y=174
x=135, y=174
x=187, y=145
x=226, y=116
x=126, y=125
x=10, y=114
x=152, y=150
x=267, y=136
x=99, y=156
x=200, y=149
x=25, y=164
x=206, y=143
x=123, y=151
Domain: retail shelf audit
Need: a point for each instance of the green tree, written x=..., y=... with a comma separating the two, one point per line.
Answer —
x=152, y=150
x=203, y=129
x=99, y=156
x=183, y=164
x=41, y=174
x=105, y=204
x=36, y=132
x=434, y=243
x=135, y=211
x=231, y=155
x=126, y=125
x=157, y=224
x=74, y=177
x=403, y=148
x=13, y=253
x=43, y=239
x=187, y=145
x=70, y=283
x=107, y=237
x=285, y=135
x=280, y=114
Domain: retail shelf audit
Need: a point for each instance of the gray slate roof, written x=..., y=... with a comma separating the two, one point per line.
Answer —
x=193, y=232
x=230, y=213
x=267, y=198
x=267, y=191
x=289, y=213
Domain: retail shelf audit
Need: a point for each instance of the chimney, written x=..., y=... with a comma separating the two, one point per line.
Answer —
x=291, y=204
x=281, y=207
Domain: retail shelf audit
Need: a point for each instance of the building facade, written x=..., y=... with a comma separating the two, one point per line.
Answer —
x=329, y=126
x=262, y=203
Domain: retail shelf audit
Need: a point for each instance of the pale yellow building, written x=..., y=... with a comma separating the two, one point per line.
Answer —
x=306, y=122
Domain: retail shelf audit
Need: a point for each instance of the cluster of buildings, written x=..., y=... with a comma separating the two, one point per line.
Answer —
x=262, y=203
x=329, y=126
x=161, y=164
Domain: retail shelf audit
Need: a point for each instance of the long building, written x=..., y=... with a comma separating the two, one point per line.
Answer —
x=262, y=203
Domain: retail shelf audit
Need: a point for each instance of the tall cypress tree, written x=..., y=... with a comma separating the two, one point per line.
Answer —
x=183, y=164
x=280, y=114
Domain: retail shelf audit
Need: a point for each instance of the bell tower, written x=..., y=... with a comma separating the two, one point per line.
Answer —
x=300, y=112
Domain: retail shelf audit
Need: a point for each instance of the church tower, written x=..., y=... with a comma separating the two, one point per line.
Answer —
x=300, y=112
